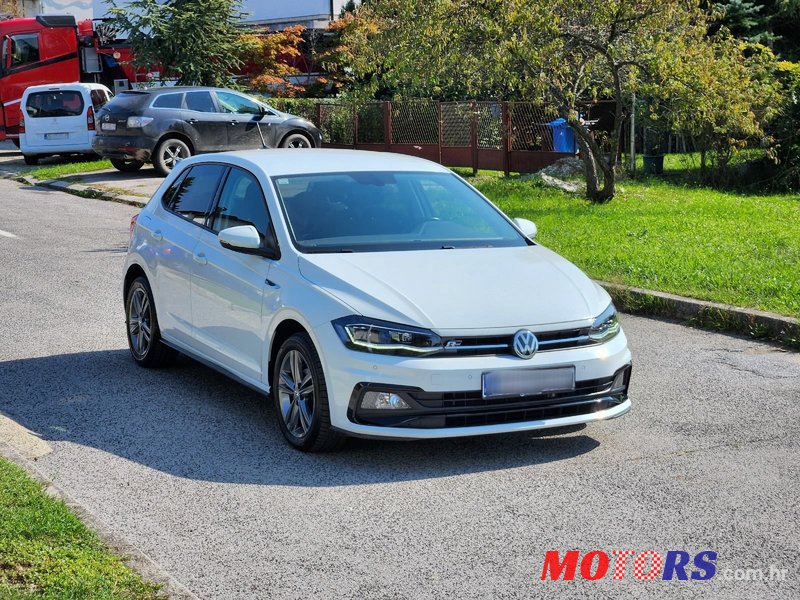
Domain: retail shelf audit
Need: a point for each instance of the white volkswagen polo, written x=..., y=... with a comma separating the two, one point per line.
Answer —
x=369, y=294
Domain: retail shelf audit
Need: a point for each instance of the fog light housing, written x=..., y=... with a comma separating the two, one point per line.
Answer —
x=383, y=401
x=620, y=383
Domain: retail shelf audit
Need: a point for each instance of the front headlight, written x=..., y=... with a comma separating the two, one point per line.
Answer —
x=606, y=326
x=372, y=335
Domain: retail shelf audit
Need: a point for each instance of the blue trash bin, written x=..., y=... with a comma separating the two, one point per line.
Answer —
x=563, y=136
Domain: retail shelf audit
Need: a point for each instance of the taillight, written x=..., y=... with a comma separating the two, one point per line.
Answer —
x=21, y=120
x=90, y=119
x=133, y=225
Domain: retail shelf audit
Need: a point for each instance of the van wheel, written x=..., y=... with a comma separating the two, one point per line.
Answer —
x=126, y=166
x=300, y=397
x=169, y=153
x=31, y=159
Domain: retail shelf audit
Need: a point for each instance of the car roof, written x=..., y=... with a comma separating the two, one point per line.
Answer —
x=290, y=161
x=48, y=87
x=177, y=88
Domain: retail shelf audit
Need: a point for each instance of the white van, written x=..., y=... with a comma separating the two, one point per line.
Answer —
x=59, y=119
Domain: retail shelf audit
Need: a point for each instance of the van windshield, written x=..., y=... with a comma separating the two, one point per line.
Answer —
x=65, y=103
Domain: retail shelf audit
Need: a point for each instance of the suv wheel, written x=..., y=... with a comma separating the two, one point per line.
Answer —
x=169, y=153
x=144, y=336
x=296, y=140
x=126, y=166
x=300, y=397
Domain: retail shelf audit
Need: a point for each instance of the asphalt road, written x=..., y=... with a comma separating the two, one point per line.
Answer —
x=180, y=462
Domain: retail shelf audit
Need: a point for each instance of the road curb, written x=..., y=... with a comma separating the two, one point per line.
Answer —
x=135, y=558
x=782, y=330
x=78, y=189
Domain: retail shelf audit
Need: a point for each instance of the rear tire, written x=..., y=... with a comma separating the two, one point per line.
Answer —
x=141, y=321
x=297, y=140
x=31, y=159
x=300, y=397
x=126, y=166
x=169, y=153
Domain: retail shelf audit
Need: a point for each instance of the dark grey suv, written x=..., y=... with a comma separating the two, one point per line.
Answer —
x=165, y=125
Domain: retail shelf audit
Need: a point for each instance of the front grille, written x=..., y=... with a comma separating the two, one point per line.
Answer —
x=499, y=345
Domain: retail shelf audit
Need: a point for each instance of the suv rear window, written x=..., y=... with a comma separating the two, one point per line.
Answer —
x=55, y=104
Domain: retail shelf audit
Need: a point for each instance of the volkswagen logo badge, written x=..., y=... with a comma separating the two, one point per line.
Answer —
x=525, y=344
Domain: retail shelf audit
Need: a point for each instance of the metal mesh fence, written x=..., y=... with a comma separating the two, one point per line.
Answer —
x=336, y=124
x=415, y=122
x=370, y=124
x=489, y=117
x=529, y=130
x=456, y=118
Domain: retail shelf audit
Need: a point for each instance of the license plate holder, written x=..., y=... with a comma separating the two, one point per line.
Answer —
x=56, y=136
x=108, y=126
x=511, y=383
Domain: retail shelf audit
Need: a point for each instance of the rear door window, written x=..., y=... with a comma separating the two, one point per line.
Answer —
x=169, y=101
x=99, y=99
x=66, y=103
x=193, y=198
x=200, y=102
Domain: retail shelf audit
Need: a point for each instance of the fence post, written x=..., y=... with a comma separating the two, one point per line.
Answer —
x=439, y=133
x=355, y=125
x=387, y=125
x=473, y=135
x=505, y=134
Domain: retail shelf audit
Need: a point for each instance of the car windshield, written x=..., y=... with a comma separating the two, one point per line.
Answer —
x=382, y=211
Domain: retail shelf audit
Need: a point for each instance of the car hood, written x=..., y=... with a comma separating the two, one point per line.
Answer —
x=462, y=289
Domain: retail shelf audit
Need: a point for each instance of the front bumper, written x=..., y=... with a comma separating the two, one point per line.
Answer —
x=445, y=392
x=125, y=147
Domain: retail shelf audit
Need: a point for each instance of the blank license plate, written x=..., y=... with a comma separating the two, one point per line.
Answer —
x=56, y=136
x=108, y=126
x=527, y=382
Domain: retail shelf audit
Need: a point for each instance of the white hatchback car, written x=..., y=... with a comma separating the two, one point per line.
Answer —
x=59, y=119
x=369, y=294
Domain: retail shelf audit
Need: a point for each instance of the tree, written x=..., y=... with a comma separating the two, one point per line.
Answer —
x=194, y=41
x=565, y=53
x=269, y=58
x=9, y=9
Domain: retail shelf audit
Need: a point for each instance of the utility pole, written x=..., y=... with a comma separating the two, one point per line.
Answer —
x=633, y=134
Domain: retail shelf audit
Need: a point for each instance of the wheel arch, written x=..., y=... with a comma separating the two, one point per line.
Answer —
x=302, y=132
x=285, y=329
x=134, y=270
x=179, y=135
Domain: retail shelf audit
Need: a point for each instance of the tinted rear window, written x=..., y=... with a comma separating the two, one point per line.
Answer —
x=198, y=188
x=54, y=104
x=168, y=101
x=129, y=100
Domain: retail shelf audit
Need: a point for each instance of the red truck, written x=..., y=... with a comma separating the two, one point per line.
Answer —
x=55, y=49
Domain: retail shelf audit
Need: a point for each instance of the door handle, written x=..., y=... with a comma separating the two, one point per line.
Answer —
x=193, y=121
x=157, y=235
x=200, y=258
x=234, y=122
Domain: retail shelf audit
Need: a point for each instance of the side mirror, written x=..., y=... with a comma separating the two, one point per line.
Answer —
x=245, y=238
x=528, y=228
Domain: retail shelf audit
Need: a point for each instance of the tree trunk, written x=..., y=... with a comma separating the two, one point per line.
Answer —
x=593, y=157
x=590, y=168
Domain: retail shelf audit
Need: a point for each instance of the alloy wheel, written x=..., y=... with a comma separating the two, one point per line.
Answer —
x=173, y=154
x=296, y=393
x=140, y=322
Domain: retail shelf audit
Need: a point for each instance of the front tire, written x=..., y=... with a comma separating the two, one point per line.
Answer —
x=297, y=140
x=300, y=397
x=126, y=166
x=144, y=336
x=169, y=153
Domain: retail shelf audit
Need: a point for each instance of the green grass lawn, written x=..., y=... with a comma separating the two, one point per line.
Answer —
x=63, y=169
x=46, y=552
x=697, y=242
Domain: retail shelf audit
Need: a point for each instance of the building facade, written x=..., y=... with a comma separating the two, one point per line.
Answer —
x=313, y=14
